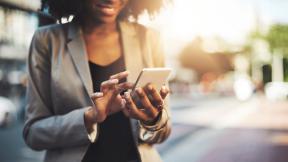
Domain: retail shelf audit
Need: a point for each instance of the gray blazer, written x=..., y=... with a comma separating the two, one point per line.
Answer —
x=60, y=85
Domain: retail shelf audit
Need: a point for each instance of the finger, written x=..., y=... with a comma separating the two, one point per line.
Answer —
x=108, y=84
x=157, y=100
x=125, y=86
x=96, y=95
x=129, y=102
x=120, y=75
x=124, y=110
x=126, y=113
x=131, y=108
x=119, y=101
x=112, y=92
x=122, y=101
x=150, y=110
x=164, y=92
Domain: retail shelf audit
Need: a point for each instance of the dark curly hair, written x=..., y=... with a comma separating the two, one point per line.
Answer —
x=64, y=8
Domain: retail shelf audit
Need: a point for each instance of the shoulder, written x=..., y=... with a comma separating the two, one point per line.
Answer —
x=47, y=37
x=151, y=35
x=150, y=41
x=50, y=31
x=140, y=29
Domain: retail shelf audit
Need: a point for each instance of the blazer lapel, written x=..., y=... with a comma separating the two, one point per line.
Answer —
x=76, y=47
x=132, y=50
x=133, y=61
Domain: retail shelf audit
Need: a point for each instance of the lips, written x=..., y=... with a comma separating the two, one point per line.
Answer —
x=105, y=9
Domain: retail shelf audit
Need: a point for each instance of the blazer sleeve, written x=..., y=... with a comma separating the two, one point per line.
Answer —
x=162, y=129
x=42, y=128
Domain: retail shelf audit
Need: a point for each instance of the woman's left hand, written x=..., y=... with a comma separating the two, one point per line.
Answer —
x=151, y=102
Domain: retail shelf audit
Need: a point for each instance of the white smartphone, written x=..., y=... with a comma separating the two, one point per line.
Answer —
x=157, y=76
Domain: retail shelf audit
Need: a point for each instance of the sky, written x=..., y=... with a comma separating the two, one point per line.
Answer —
x=230, y=20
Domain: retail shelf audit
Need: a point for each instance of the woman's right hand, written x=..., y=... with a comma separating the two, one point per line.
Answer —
x=108, y=101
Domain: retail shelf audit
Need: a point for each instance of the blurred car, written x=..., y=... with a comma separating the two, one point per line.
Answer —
x=276, y=90
x=243, y=87
x=8, y=112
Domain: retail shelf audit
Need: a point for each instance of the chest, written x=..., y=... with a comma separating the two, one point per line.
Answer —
x=103, y=50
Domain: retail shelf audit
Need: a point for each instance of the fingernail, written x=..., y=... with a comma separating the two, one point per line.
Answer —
x=114, y=81
x=97, y=94
x=126, y=95
x=150, y=87
x=138, y=89
x=123, y=103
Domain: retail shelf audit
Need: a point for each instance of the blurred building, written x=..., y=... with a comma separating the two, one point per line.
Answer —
x=18, y=21
x=203, y=72
x=194, y=57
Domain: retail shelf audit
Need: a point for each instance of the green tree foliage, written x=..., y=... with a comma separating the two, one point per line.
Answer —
x=277, y=38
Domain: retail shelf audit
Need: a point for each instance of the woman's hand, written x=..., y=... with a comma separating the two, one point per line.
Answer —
x=107, y=101
x=151, y=102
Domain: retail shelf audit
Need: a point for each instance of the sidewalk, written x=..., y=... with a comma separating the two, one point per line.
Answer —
x=226, y=130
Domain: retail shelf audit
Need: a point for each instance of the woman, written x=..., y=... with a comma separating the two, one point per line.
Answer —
x=76, y=110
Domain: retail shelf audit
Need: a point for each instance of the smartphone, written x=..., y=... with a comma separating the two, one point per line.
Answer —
x=157, y=76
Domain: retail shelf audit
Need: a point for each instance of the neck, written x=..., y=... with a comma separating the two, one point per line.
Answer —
x=98, y=28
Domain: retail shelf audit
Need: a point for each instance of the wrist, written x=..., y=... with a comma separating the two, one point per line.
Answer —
x=89, y=119
x=160, y=124
x=153, y=121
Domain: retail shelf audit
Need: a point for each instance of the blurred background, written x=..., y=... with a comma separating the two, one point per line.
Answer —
x=229, y=84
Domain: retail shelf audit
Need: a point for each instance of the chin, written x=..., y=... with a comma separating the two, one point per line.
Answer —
x=105, y=19
x=108, y=20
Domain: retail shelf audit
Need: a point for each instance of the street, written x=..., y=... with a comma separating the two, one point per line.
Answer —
x=227, y=130
x=13, y=148
x=209, y=129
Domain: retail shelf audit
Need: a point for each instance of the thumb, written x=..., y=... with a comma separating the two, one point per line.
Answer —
x=96, y=95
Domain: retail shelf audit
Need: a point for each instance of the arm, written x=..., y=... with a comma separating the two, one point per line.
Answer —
x=155, y=125
x=160, y=131
x=43, y=129
x=151, y=113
